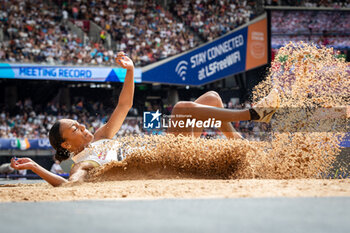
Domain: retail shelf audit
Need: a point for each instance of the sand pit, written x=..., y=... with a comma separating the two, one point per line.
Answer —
x=176, y=188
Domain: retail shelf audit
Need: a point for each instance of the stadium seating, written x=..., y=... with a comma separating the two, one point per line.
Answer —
x=309, y=3
x=328, y=28
x=211, y=19
x=37, y=32
x=145, y=30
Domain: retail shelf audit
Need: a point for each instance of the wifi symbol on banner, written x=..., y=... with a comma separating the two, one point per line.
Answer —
x=181, y=69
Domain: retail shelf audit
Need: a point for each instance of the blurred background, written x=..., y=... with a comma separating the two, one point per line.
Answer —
x=38, y=37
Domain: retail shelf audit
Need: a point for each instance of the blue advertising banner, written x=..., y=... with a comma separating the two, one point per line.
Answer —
x=24, y=144
x=346, y=141
x=66, y=73
x=238, y=51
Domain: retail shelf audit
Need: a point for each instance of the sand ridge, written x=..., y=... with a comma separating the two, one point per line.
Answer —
x=176, y=188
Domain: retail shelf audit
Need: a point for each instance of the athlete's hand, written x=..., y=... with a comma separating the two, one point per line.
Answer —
x=22, y=163
x=124, y=61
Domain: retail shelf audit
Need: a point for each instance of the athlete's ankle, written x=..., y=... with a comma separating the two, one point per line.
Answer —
x=253, y=115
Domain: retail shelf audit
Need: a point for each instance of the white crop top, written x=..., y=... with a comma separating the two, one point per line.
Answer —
x=102, y=151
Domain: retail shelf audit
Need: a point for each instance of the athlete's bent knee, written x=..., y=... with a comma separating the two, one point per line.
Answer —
x=184, y=104
x=214, y=94
x=214, y=99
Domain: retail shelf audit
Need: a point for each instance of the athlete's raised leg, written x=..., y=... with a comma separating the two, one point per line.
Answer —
x=201, y=110
x=207, y=106
x=212, y=98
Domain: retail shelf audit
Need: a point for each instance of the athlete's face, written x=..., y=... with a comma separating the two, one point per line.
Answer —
x=76, y=136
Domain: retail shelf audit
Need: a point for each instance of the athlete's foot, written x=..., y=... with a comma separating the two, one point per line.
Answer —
x=266, y=107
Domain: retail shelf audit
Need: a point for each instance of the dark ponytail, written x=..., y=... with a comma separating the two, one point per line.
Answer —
x=56, y=140
x=62, y=154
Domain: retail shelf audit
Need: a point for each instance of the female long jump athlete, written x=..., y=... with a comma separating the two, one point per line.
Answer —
x=69, y=137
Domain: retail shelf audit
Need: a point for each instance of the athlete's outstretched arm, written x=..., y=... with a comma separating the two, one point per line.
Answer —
x=27, y=163
x=124, y=103
x=77, y=174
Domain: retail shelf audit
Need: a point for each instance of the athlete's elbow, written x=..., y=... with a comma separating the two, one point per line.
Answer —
x=127, y=105
x=60, y=183
x=57, y=185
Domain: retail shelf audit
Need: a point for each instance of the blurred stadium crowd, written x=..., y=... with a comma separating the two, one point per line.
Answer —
x=37, y=31
x=211, y=19
x=145, y=30
x=309, y=3
x=319, y=27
